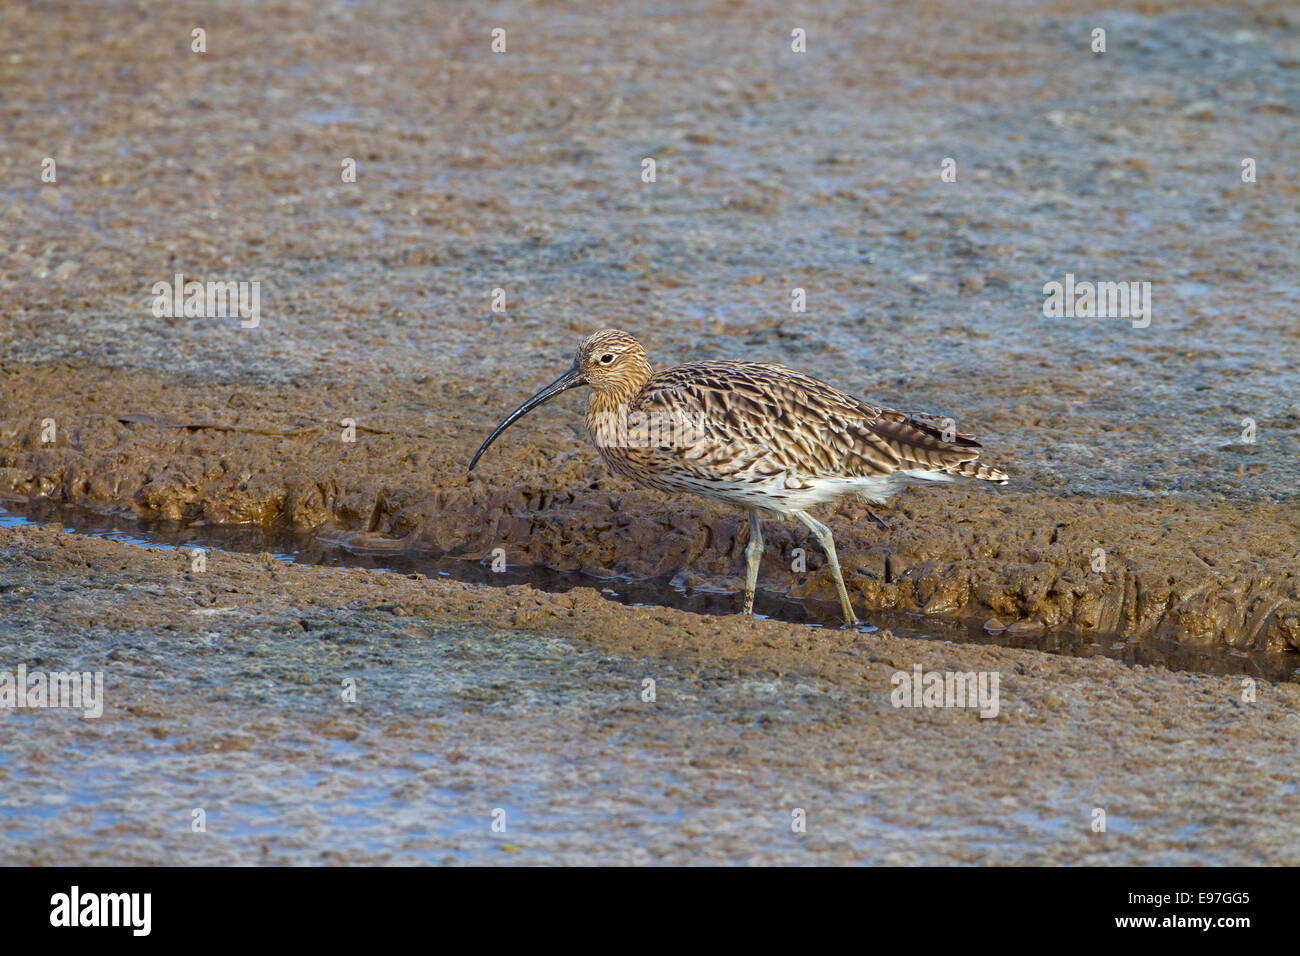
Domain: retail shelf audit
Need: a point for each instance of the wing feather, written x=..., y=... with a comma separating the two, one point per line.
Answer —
x=795, y=423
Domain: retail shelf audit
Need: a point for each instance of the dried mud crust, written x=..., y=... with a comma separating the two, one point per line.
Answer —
x=1198, y=572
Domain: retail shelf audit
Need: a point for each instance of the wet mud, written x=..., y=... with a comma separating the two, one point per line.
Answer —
x=1201, y=572
x=818, y=171
x=224, y=689
x=360, y=551
x=1153, y=495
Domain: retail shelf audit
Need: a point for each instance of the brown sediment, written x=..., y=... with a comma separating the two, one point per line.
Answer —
x=223, y=686
x=1170, y=450
x=816, y=171
x=1199, y=572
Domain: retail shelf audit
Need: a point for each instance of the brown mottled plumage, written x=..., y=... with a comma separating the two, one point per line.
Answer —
x=762, y=436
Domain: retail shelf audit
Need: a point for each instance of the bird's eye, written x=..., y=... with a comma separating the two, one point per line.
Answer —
x=606, y=358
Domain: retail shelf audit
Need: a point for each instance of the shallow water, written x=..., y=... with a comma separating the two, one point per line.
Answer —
x=558, y=740
x=306, y=548
x=411, y=774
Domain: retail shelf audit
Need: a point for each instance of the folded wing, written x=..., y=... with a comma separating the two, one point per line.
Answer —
x=792, y=422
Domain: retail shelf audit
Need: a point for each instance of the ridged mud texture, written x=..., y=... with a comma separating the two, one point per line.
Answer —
x=1194, y=571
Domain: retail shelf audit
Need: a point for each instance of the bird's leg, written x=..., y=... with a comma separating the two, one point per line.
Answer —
x=753, y=554
x=823, y=534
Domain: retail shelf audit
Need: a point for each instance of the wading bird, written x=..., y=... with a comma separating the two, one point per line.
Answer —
x=763, y=437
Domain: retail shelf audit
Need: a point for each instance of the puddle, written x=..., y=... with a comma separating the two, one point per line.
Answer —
x=303, y=547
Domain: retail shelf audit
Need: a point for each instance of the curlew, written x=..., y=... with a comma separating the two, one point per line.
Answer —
x=764, y=437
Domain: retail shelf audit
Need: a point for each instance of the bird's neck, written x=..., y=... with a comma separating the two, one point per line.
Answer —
x=623, y=390
x=611, y=402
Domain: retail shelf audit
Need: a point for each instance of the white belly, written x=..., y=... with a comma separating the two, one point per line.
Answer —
x=789, y=493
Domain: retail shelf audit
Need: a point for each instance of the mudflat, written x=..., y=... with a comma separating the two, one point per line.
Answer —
x=225, y=694
x=1152, y=498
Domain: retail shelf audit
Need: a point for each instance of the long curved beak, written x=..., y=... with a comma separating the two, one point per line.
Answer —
x=570, y=379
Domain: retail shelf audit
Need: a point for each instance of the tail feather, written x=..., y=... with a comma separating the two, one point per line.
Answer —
x=973, y=469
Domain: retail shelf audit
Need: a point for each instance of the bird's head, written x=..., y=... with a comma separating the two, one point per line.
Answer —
x=610, y=361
